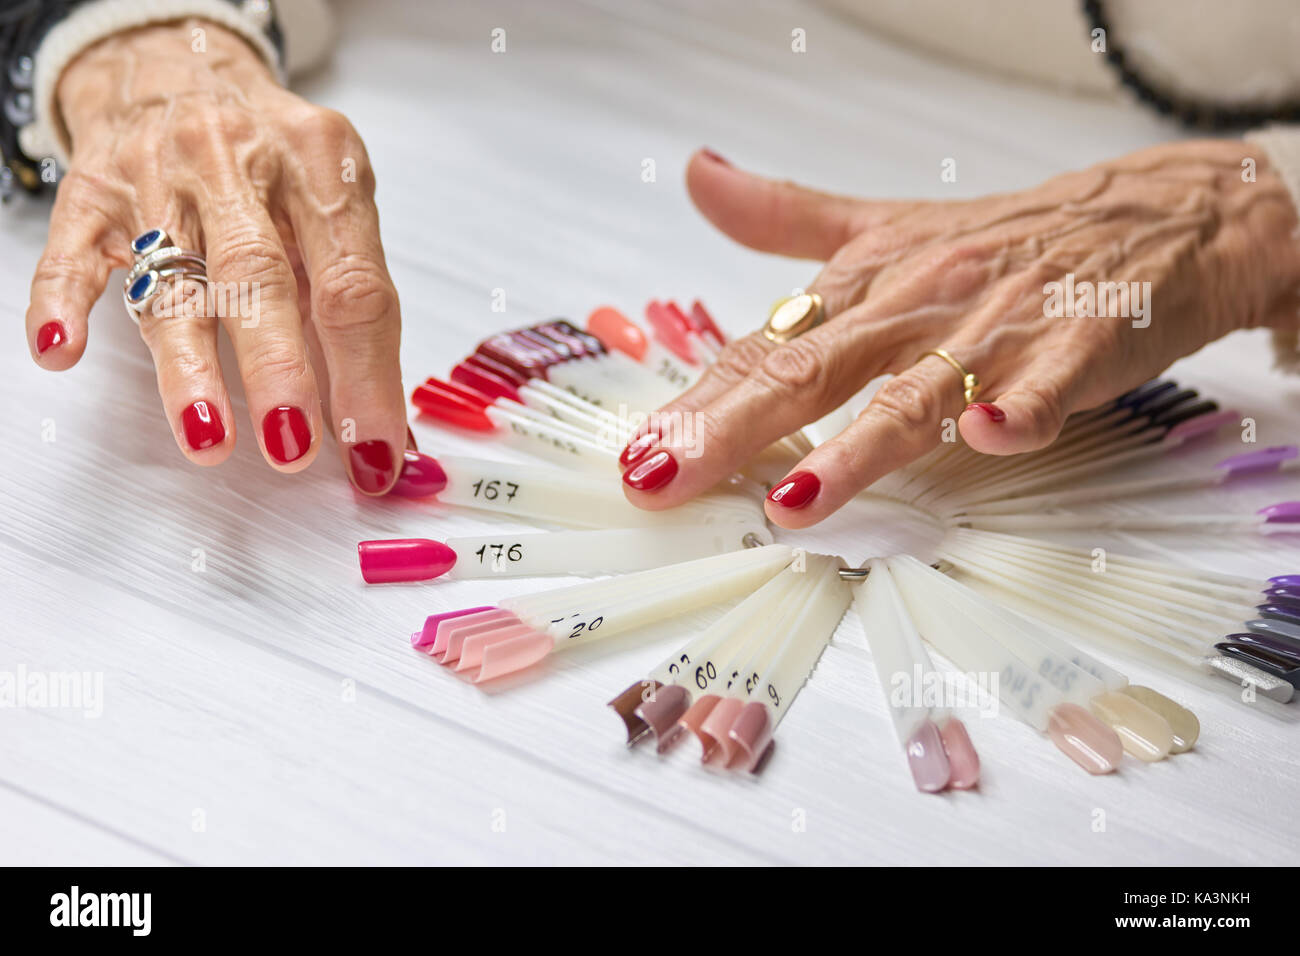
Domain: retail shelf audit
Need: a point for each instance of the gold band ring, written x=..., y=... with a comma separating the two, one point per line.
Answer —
x=970, y=382
x=793, y=316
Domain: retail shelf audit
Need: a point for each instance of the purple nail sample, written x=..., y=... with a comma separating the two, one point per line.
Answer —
x=1258, y=462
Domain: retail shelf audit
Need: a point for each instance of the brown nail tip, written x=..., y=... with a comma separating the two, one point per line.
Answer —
x=1084, y=739
x=663, y=712
x=963, y=761
x=1184, y=724
x=1144, y=733
x=751, y=732
x=625, y=705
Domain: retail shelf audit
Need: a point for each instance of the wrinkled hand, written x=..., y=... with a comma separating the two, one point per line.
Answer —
x=278, y=194
x=972, y=277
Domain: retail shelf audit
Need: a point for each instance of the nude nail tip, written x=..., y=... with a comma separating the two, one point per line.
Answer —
x=927, y=760
x=1084, y=739
x=626, y=704
x=1143, y=732
x=717, y=727
x=471, y=652
x=663, y=712
x=1184, y=724
x=514, y=655
x=750, y=732
x=694, y=717
x=963, y=761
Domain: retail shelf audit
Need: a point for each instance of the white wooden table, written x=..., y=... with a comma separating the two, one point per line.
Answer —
x=268, y=708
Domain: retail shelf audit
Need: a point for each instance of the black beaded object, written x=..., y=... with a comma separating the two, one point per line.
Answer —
x=1191, y=113
x=23, y=25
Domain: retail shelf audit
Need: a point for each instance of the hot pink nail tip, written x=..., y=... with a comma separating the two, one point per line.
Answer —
x=420, y=477
x=926, y=759
x=963, y=761
x=404, y=559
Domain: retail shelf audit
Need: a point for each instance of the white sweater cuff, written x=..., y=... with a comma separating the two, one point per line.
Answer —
x=89, y=24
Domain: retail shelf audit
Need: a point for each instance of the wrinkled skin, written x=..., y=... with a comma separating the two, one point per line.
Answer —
x=274, y=190
x=902, y=277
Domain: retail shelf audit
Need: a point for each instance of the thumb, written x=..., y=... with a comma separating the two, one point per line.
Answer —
x=769, y=216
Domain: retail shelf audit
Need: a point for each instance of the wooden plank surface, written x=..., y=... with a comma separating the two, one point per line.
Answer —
x=261, y=705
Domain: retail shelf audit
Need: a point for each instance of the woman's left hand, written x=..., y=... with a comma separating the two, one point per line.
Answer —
x=1209, y=252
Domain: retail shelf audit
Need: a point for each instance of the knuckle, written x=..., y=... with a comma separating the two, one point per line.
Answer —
x=248, y=253
x=906, y=403
x=796, y=367
x=353, y=291
x=740, y=358
x=275, y=361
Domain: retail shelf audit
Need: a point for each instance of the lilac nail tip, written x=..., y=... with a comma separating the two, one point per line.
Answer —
x=1285, y=580
x=1201, y=425
x=1284, y=512
x=1258, y=462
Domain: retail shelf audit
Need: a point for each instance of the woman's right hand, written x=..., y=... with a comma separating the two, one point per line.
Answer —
x=278, y=194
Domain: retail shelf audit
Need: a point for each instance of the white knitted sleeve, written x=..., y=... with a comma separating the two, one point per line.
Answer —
x=1281, y=146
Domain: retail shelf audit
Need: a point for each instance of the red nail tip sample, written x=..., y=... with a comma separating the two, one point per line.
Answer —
x=286, y=434
x=50, y=335
x=672, y=329
x=421, y=477
x=637, y=448
x=988, y=408
x=439, y=400
x=372, y=465
x=484, y=381
x=796, y=490
x=404, y=559
x=652, y=473
x=202, y=426
x=703, y=321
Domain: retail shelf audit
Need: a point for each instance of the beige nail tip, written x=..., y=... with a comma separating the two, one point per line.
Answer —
x=1186, y=728
x=1144, y=733
x=963, y=761
x=1084, y=739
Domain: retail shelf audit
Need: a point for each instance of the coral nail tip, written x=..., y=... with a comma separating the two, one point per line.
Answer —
x=695, y=716
x=717, y=727
x=514, y=655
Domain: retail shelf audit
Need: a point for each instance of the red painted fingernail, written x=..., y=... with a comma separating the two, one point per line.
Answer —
x=652, y=473
x=286, y=434
x=50, y=335
x=372, y=465
x=796, y=490
x=202, y=425
x=988, y=408
x=716, y=157
x=636, y=449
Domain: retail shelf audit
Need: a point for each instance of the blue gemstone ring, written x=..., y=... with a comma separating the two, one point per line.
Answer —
x=156, y=260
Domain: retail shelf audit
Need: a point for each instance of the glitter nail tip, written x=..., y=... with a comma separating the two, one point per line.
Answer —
x=1084, y=739
x=1143, y=732
x=1239, y=672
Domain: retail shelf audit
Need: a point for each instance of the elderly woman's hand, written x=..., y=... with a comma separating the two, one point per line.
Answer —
x=189, y=131
x=1210, y=251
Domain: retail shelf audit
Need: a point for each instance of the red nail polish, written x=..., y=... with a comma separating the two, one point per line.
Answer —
x=404, y=559
x=652, y=473
x=796, y=490
x=202, y=426
x=286, y=434
x=988, y=408
x=637, y=448
x=50, y=335
x=710, y=154
x=372, y=465
x=421, y=477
